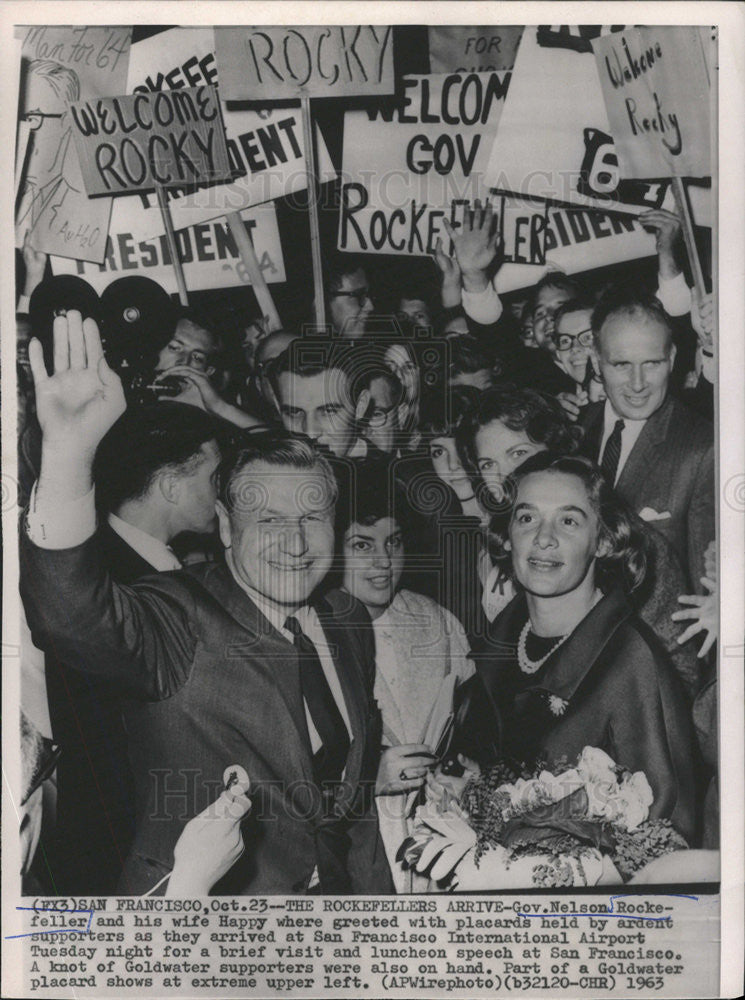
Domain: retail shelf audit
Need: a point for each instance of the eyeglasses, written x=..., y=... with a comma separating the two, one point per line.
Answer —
x=565, y=341
x=379, y=416
x=360, y=294
x=35, y=118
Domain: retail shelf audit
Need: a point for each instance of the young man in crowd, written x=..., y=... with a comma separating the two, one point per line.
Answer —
x=348, y=296
x=229, y=663
x=319, y=393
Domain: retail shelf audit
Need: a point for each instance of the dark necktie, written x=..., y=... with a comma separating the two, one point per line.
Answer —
x=612, y=453
x=329, y=761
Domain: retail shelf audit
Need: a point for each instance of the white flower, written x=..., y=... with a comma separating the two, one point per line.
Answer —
x=526, y=795
x=557, y=705
x=558, y=786
x=602, y=799
x=638, y=781
x=633, y=800
x=595, y=765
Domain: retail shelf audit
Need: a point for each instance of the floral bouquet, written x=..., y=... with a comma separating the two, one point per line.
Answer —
x=560, y=826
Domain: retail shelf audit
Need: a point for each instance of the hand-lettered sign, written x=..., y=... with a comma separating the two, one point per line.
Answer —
x=142, y=141
x=62, y=65
x=578, y=240
x=208, y=252
x=408, y=170
x=266, y=147
x=554, y=140
x=656, y=89
x=275, y=63
x=462, y=49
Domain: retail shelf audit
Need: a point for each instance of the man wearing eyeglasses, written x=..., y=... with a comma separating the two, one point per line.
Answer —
x=572, y=340
x=52, y=169
x=349, y=299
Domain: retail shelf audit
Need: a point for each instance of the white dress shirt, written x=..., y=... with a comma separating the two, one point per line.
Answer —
x=674, y=294
x=485, y=307
x=629, y=436
x=309, y=623
x=160, y=556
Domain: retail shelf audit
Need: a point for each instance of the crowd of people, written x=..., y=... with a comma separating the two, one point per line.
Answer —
x=360, y=564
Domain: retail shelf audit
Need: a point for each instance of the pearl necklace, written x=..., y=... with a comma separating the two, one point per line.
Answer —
x=527, y=665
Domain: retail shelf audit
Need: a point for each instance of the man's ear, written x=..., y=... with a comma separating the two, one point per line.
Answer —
x=223, y=521
x=210, y=371
x=363, y=405
x=170, y=485
x=671, y=355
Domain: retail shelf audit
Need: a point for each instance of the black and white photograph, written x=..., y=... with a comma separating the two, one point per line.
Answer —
x=373, y=500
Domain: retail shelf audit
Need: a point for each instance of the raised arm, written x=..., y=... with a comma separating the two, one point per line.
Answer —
x=75, y=407
x=476, y=247
x=142, y=638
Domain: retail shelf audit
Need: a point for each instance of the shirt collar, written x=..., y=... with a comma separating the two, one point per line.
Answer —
x=632, y=428
x=153, y=550
x=276, y=616
x=358, y=449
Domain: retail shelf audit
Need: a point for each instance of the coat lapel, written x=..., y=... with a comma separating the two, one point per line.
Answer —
x=570, y=664
x=576, y=657
x=641, y=462
x=272, y=653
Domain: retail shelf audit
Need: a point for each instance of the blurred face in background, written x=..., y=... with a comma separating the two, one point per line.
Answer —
x=448, y=466
x=381, y=422
x=499, y=451
x=191, y=346
x=573, y=341
x=351, y=304
x=414, y=310
x=401, y=362
x=319, y=406
x=548, y=301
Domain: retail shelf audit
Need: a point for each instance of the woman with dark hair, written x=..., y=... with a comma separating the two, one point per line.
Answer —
x=451, y=542
x=505, y=427
x=567, y=663
x=421, y=650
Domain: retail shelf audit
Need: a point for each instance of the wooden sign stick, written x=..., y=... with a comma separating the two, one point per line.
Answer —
x=248, y=255
x=172, y=245
x=315, y=238
x=681, y=202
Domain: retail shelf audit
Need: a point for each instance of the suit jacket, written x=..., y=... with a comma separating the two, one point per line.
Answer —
x=670, y=469
x=95, y=820
x=623, y=695
x=210, y=683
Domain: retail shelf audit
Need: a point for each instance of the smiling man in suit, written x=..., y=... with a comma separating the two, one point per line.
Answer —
x=657, y=453
x=223, y=663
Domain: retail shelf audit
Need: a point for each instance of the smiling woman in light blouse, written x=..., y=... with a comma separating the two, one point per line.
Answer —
x=421, y=651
